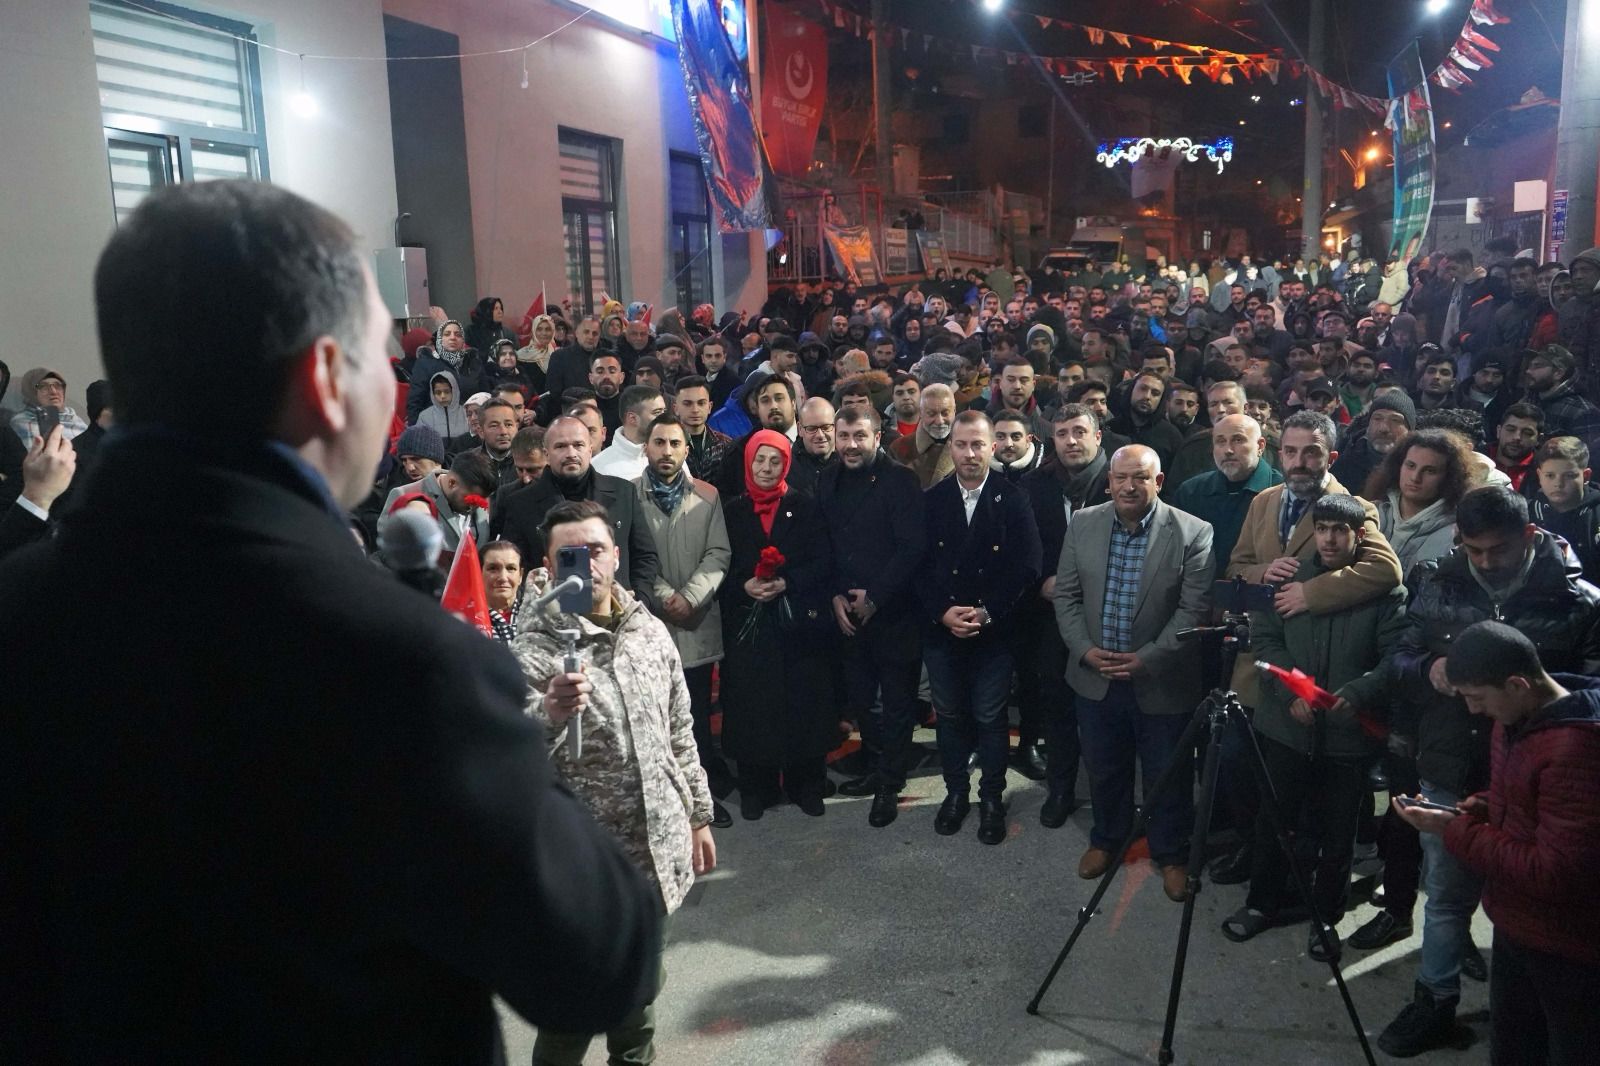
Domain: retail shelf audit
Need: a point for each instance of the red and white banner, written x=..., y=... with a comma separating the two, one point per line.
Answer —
x=794, y=88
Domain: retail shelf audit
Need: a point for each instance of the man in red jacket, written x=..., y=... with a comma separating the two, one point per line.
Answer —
x=1535, y=839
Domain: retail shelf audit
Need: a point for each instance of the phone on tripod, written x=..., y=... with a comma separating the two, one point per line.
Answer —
x=1238, y=596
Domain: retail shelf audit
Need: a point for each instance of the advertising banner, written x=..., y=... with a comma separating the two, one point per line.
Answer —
x=1410, y=118
x=793, y=88
x=735, y=164
x=852, y=250
x=933, y=251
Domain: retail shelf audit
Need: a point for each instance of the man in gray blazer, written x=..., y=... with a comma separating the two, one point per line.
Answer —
x=1132, y=573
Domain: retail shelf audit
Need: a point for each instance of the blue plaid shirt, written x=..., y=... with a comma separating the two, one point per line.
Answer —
x=1124, y=571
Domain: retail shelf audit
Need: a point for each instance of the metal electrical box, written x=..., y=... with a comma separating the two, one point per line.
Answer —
x=402, y=275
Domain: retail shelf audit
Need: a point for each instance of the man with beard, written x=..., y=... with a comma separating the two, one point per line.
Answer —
x=1437, y=383
x=1358, y=384
x=1516, y=441
x=684, y=516
x=838, y=330
x=1074, y=477
x=1487, y=390
x=816, y=445
x=1553, y=385
x=983, y=559
x=634, y=344
x=692, y=406
x=1132, y=574
x=1183, y=405
x=1278, y=535
x=568, y=475
x=1391, y=416
x=569, y=368
x=873, y=509
x=606, y=378
x=1265, y=331
x=927, y=451
x=1222, y=496
x=1015, y=451
x=1223, y=398
x=1143, y=423
x=775, y=410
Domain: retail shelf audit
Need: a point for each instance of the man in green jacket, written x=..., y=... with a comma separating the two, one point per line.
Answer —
x=1317, y=759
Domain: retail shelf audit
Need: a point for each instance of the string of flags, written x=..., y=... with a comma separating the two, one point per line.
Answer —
x=1220, y=66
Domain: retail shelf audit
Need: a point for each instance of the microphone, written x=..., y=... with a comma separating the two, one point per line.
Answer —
x=410, y=540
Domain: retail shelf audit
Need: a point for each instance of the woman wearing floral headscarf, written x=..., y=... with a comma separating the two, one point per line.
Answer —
x=535, y=358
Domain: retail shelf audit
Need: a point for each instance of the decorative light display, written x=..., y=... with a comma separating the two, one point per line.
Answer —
x=1133, y=149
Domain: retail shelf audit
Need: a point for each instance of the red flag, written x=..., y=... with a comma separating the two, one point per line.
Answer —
x=525, y=328
x=1301, y=685
x=464, y=595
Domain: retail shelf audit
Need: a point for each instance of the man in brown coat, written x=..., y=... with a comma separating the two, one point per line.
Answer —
x=927, y=451
x=1278, y=535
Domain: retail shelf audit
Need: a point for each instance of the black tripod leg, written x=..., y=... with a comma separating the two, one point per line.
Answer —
x=1088, y=910
x=1197, y=857
x=1269, y=809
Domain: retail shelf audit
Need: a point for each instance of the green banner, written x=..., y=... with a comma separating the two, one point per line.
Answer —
x=1410, y=118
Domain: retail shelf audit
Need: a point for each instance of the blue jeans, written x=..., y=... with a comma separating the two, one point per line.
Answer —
x=1453, y=892
x=1114, y=731
x=971, y=682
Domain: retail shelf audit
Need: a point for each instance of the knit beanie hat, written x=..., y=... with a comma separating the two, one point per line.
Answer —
x=1397, y=400
x=1592, y=256
x=422, y=442
x=939, y=368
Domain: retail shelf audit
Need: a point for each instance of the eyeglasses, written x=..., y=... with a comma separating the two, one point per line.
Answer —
x=825, y=428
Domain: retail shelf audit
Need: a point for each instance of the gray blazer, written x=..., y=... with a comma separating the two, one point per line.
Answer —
x=1174, y=594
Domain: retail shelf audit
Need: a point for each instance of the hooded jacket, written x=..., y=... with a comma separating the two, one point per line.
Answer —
x=449, y=420
x=638, y=771
x=1580, y=527
x=1537, y=842
x=731, y=419
x=1428, y=534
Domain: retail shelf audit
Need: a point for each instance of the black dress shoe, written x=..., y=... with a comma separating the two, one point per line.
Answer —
x=1057, y=808
x=1025, y=760
x=952, y=812
x=885, y=808
x=1234, y=867
x=722, y=782
x=720, y=818
x=829, y=788
x=991, y=821
x=860, y=786
x=752, y=806
x=810, y=803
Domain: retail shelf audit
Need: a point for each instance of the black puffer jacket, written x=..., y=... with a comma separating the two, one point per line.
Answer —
x=1556, y=608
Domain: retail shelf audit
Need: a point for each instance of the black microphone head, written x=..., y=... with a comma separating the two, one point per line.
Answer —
x=410, y=540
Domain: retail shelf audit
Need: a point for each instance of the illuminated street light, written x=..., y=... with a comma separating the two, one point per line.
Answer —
x=1436, y=7
x=991, y=6
x=1372, y=154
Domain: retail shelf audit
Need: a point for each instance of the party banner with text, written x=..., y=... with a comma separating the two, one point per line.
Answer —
x=794, y=88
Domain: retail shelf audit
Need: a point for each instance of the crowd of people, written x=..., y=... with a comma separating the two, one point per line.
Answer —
x=858, y=512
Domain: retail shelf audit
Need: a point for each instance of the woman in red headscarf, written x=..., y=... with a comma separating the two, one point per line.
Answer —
x=778, y=713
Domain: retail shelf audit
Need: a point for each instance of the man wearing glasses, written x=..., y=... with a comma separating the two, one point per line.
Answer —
x=816, y=444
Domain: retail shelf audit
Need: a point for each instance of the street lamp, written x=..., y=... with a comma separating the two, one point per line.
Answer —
x=1436, y=7
x=991, y=6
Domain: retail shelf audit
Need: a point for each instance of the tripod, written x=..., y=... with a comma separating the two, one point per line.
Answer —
x=1216, y=711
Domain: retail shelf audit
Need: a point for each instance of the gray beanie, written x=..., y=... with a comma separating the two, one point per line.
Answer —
x=1592, y=256
x=422, y=442
x=937, y=368
x=1397, y=400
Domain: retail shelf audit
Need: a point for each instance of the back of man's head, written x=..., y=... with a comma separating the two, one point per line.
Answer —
x=1491, y=653
x=473, y=470
x=207, y=294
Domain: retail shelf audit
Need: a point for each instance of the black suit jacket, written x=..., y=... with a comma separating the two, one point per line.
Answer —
x=878, y=539
x=294, y=812
x=517, y=516
x=991, y=563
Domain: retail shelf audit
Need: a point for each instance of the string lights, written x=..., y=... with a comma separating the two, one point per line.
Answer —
x=1133, y=149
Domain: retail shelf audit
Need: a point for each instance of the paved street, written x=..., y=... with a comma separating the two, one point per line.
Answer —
x=823, y=942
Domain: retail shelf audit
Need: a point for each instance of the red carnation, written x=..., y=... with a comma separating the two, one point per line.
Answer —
x=474, y=500
x=769, y=564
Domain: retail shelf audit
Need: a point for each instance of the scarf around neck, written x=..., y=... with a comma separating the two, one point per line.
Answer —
x=1076, y=485
x=453, y=359
x=766, y=501
x=666, y=495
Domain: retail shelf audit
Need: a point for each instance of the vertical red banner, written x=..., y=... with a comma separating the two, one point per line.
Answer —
x=794, y=87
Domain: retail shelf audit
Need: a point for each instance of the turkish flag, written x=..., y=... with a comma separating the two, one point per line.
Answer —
x=464, y=595
x=525, y=327
x=794, y=88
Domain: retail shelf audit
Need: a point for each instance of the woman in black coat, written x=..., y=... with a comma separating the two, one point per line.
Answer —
x=778, y=713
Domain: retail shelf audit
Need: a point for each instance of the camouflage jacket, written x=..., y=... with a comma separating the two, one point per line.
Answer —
x=639, y=773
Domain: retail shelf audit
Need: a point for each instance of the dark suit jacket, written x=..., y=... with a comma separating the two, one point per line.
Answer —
x=519, y=515
x=19, y=528
x=256, y=831
x=878, y=542
x=991, y=563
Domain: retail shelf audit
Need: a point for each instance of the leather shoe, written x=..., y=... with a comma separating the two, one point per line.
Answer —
x=810, y=803
x=1234, y=867
x=752, y=806
x=1380, y=930
x=991, y=821
x=829, y=788
x=952, y=812
x=1057, y=807
x=1025, y=760
x=860, y=786
x=885, y=808
x=720, y=818
x=1175, y=882
x=1095, y=862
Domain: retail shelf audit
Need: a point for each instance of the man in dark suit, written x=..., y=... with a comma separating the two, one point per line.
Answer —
x=569, y=367
x=254, y=833
x=873, y=510
x=983, y=557
x=568, y=476
x=1134, y=572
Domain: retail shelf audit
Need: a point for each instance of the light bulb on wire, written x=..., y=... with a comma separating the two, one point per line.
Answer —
x=524, y=68
x=303, y=103
x=992, y=6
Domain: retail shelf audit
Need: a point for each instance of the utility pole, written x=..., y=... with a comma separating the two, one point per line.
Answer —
x=1311, y=193
x=1578, y=129
x=882, y=98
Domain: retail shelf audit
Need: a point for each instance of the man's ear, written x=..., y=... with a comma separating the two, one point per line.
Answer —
x=319, y=381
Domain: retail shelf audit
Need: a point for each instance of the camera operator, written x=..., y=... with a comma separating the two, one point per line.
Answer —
x=1534, y=837
x=1317, y=759
x=639, y=770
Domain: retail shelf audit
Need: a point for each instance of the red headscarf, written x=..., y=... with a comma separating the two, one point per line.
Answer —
x=766, y=500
